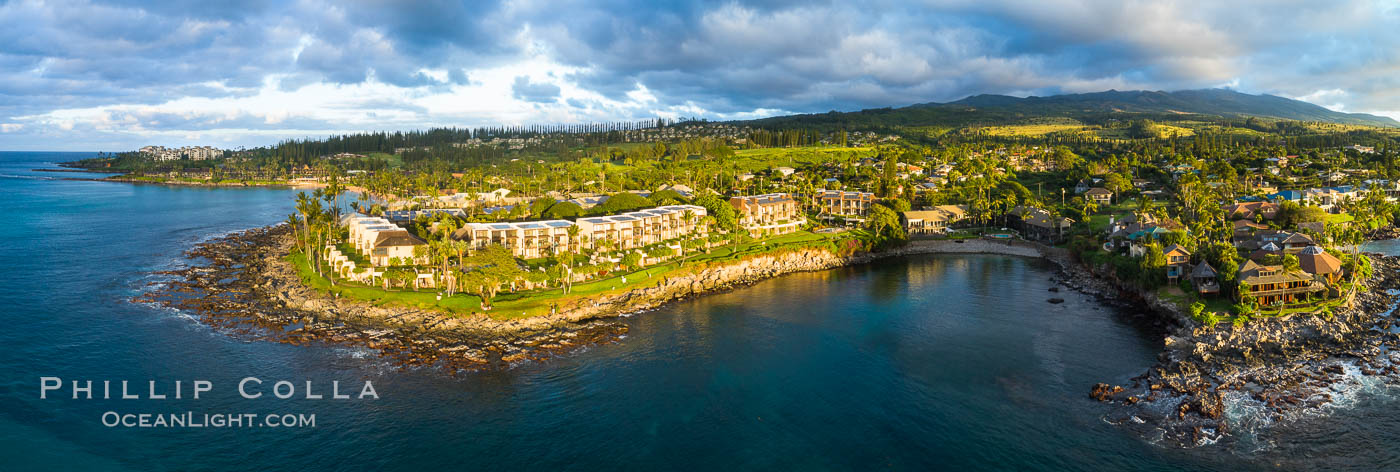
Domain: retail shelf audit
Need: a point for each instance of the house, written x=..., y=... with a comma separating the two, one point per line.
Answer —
x=1269, y=249
x=588, y=201
x=1250, y=210
x=1316, y=227
x=1272, y=285
x=851, y=205
x=774, y=213
x=1260, y=186
x=1314, y=260
x=1098, y=195
x=1328, y=198
x=1246, y=228
x=1296, y=242
x=1038, y=224
x=682, y=189
x=1132, y=229
x=784, y=171
x=496, y=195
x=1205, y=279
x=1286, y=196
x=932, y=221
x=1178, y=261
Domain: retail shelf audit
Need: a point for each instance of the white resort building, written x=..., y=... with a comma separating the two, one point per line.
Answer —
x=533, y=239
x=380, y=239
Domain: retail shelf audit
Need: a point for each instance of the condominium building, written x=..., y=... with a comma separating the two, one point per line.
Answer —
x=847, y=204
x=379, y=239
x=642, y=227
x=773, y=213
x=195, y=153
x=532, y=239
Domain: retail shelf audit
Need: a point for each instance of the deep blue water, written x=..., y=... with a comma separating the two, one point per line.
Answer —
x=925, y=363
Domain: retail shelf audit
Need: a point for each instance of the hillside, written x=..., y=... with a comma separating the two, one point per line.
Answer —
x=1087, y=107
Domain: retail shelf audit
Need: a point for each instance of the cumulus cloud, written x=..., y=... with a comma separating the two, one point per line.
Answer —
x=525, y=90
x=118, y=72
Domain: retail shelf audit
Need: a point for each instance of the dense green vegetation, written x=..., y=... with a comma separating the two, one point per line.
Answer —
x=1176, y=158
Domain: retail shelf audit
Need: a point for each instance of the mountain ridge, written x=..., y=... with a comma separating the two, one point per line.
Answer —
x=1219, y=102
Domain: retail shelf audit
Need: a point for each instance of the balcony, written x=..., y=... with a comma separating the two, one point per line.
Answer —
x=1313, y=287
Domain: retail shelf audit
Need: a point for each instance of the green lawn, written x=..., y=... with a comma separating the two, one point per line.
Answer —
x=538, y=302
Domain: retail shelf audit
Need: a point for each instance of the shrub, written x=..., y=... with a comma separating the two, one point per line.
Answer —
x=1239, y=321
x=1241, y=309
x=632, y=260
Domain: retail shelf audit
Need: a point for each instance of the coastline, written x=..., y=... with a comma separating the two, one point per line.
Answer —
x=121, y=178
x=250, y=287
x=1213, y=381
x=1285, y=365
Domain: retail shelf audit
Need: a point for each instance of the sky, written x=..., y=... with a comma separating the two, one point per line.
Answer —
x=115, y=75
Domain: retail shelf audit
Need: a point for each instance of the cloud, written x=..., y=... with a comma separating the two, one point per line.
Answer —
x=523, y=89
x=253, y=71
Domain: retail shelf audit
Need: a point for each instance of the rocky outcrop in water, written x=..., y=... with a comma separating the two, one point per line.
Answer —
x=1276, y=368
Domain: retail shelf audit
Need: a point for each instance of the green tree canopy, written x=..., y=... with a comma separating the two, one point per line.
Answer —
x=667, y=197
x=561, y=210
x=620, y=202
x=725, y=216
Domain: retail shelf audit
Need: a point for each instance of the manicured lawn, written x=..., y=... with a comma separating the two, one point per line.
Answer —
x=539, y=302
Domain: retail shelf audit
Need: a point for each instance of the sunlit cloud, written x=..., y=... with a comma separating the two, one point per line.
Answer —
x=112, y=75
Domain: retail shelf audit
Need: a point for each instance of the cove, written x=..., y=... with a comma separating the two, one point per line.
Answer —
x=938, y=362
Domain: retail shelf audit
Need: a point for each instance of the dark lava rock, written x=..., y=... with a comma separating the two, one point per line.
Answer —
x=1056, y=300
x=1104, y=392
x=1206, y=405
x=1055, y=289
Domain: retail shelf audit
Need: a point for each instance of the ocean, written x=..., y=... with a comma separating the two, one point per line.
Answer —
x=922, y=363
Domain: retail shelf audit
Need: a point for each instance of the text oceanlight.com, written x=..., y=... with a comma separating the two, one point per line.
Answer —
x=191, y=419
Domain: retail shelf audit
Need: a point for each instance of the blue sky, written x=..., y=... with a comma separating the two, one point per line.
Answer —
x=115, y=75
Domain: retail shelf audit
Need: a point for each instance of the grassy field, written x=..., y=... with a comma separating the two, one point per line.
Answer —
x=539, y=302
x=395, y=161
x=1027, y=130
x=1339, y=218
x=750, y=160
x=927, y=131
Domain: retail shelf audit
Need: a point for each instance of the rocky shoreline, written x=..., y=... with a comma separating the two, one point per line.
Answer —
x=1211, y=382
x=247, y=287
x=1276, y=367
